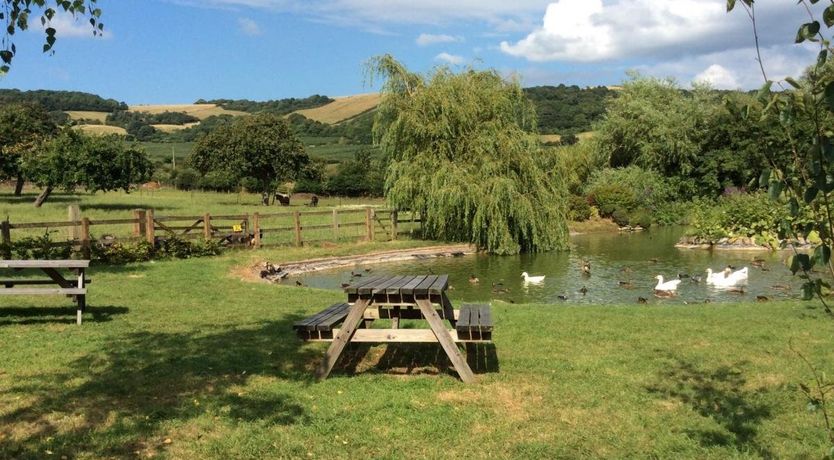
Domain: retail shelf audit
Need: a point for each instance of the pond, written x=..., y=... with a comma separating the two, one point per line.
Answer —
x=623, y=269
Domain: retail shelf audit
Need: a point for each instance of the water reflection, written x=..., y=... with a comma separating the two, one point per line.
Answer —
x=622, y=269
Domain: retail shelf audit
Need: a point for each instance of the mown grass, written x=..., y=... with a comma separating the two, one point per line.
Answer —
x=183, y=359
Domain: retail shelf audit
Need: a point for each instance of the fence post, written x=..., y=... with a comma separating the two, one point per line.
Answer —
x=139, y=225
x=256, y=228
x=74, y=213
x=297, y=222
x=369, y=223
x=207, y=226
x=85, y=237
x=6, y=234
x=150, y=230
x=394, y=217
x=335, y=225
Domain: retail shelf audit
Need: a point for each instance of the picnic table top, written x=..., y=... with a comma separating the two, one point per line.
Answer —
x=44, y=263
x=399, y=285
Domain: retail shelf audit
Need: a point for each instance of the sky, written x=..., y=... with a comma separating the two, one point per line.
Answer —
x=178, y=51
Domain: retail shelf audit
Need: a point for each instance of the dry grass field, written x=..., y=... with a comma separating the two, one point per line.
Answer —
x=201, y=111
x=343, y=108
x=173, y=128
x=101, y=129
x=556, y=137
x=87, y=115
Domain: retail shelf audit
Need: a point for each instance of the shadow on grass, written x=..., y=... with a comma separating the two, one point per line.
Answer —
x=120, y=207
x=57, y=315
x=10, y=198
x=413, y=359
x=120, y=401
x=720, y=395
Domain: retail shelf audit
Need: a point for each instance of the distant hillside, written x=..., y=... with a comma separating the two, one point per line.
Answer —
x=277, y=106
x=201, y=111
x=62, y=100
x=568, y=109
x=342, y=108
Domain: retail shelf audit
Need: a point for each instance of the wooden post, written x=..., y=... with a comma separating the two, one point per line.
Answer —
x=369, y=223
x=296, y=217
x=256, y=227
x=74, y=214
x=150, y=229
x=207, y=226
x=335, y=225
x=85, y=237
x=394, y=225
x=6, y=235
x=139, y=226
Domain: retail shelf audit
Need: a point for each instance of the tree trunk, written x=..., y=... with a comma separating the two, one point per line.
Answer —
x=43, y=196
x=18, y=186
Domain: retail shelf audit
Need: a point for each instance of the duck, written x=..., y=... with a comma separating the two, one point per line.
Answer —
x=355, y=275
x=741, y=276
x=758, y=263
x=499, y=289
x=668, y=286
x=474, y=279
x=626, y=284
x=562, y=297
x=665, y=294
x=586, y=267
x=298, y=283
x=344, y=285
x=642, y=300
x=532, y=279
x=762, y=298
x=583, y=290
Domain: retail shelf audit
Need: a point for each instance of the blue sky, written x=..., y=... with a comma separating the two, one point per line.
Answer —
x=177, y=51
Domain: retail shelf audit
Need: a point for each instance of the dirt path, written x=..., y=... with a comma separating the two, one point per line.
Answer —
x=329, y=263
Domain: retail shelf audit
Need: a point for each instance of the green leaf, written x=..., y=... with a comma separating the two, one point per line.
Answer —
x=822, y=58
x=730, y=5
x=792, y=82
x=775, y=190
x=764, y=178
x=829, y=96
x=6, y=56
x=764, y=91
x=810, y=194
x=828, y=16
x=822, y=254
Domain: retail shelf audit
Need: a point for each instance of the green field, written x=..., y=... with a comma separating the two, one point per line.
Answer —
x=184, y=359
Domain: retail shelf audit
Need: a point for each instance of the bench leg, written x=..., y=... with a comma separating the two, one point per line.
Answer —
x=354, y=318
x=446, y=341
x=82, y=304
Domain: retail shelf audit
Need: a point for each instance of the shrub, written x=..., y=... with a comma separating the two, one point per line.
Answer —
x=578, y=208
x=620, y=217
x=628, y=189
x=218, y=181
x=640, y=218
x=613, y=197
x=186, y=179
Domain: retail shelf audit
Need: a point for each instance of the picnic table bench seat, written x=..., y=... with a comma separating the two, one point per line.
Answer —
x=73, y=286
x=321, y=325
x=474, y=323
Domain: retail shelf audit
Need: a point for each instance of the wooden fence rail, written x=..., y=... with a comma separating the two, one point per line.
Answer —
x=256, y=230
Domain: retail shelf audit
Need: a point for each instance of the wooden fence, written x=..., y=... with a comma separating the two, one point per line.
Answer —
x=254, y=230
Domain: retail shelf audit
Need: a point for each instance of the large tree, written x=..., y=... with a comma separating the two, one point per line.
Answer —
x=16, y=15
x=462, y=150
x=23, y=129
x=261, y=148
x=96, y=163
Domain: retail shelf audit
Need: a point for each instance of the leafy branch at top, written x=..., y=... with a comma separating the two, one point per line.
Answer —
x=15, y=15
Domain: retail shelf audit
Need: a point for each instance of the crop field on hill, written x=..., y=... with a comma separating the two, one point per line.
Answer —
x=343, y=108
x=87, y=115
x=201, y=111
x=102, y=129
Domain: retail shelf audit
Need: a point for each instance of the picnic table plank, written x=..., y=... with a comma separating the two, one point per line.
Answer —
x=464, y=318
x=380, y=288
x=371, y=287
x=43, y=291
x=336, y=316
x=439, y=285
x=423, y=288
x=396, y=288
x=353, y=288
x=309, y=322
x=485, y=320
x=409, y=288
x=44, y=263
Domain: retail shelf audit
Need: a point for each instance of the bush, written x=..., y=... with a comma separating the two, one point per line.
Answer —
x=620, y=217
x=628, y=189
x=309, y=185
x=186, y=179
x=38, y=247
x=218, y=181
x=613, y=197
x=579, y=209
x=640, y=218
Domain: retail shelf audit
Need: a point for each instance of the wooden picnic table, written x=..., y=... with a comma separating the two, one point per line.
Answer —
x=74, y=287
x=397, y=298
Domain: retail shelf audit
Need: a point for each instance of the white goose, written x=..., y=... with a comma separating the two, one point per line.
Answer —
x=727, y=278
x=532, y=279
x=669, y=286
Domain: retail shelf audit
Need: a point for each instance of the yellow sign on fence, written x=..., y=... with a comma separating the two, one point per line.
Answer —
x=237, y=228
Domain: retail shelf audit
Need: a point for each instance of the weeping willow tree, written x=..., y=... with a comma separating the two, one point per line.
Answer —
x=463, y=151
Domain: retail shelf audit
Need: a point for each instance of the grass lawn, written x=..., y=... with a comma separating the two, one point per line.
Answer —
x=183, y=359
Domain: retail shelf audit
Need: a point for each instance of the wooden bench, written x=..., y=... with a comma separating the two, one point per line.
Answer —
x=474, y=323
x=74, y=287
x=320, y=326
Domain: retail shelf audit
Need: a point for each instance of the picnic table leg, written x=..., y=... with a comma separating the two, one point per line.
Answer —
x=446, y=341
x=354, y=318
x=81, y=299
x=448, y=309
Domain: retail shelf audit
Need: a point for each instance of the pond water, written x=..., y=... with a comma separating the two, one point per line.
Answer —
x=623, y=268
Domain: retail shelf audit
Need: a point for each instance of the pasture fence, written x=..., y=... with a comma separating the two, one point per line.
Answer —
x=256, y=230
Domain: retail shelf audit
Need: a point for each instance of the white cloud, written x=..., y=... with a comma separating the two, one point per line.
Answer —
x=593, y=30
x=432, y=39
x=68, y=26
x=249, y=27
x=718, y=76
x=449, y=58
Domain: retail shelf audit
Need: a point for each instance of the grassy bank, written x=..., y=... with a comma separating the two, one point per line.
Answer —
x=182, y=359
